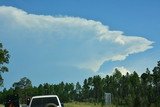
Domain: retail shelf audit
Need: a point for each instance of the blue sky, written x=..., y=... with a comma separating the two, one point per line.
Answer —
x=57, y=40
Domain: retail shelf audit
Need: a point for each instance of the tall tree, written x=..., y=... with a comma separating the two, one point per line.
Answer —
x=78, y=92
x=4, y=59
x=135, y=89
x=98, y=88
x=23, y=83
x=116, y=84
x=21, y=88
x=85, y=90
x=147, y=88
x=156, y=81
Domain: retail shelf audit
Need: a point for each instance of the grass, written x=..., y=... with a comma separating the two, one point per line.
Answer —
x=1, y=105
x=78, y=104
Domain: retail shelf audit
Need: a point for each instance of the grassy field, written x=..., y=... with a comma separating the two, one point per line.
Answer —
x=1, y=105
x=77, y=104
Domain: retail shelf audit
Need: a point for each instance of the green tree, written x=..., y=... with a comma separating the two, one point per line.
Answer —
x=69, y=91
x=21, y=87
x=78, y=92
x=135, y=89
x=4, y=59
x=23, y=83
x=127, y=90
x=147, y=88
x=98, y=89
x=118, y=84
x=85, y=90
x=156, y=81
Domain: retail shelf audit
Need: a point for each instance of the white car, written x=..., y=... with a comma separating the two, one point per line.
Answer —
x=45, y=101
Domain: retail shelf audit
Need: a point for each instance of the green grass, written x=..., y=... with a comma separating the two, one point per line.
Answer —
x=78, y=104
x=1, y=105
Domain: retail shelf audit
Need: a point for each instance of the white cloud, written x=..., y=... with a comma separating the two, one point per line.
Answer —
x=74, y=41
x=122, y=69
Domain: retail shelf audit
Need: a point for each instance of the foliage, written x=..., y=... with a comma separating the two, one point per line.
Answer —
x=130, y=90
x=23, y=83
x=4, y=59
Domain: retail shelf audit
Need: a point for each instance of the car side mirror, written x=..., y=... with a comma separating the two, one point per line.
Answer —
x=62, y=104
x=28, y=101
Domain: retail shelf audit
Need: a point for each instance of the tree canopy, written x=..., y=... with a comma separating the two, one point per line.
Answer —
x=130, y=90
x=4, y=59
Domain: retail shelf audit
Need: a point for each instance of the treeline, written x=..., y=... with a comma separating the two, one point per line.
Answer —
x=130, y=90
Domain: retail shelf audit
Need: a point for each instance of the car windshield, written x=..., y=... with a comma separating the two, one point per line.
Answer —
x=42, y=102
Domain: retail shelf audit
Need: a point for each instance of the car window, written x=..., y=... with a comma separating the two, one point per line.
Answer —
x=41, y=102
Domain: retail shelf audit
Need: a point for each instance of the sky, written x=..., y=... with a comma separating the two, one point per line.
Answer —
x=70, y=40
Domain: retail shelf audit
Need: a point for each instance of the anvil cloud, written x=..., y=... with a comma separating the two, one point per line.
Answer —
x=70, y=41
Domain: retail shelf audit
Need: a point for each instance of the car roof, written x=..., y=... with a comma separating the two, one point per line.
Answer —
x=43, y=96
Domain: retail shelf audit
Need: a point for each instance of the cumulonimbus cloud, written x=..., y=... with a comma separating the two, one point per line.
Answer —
x=76, y=41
